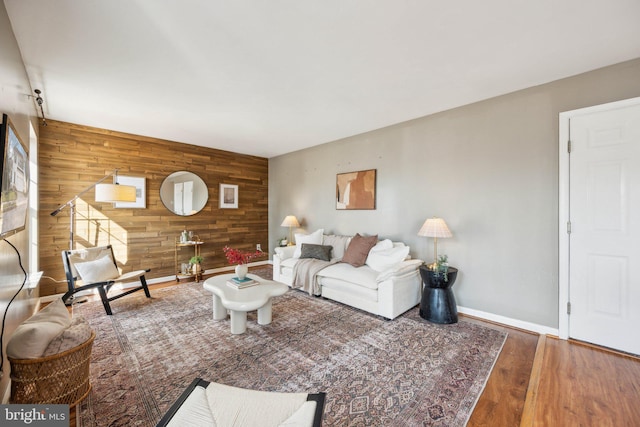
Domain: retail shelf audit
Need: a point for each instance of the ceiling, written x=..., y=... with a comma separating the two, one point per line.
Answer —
x=271, y=77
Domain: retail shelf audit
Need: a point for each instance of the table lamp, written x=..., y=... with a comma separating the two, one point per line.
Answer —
x=290, y=221
x=435, y=227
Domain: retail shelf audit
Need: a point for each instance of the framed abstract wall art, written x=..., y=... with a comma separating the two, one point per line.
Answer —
x=356, y=190
x=141, y=191
x=228, y=196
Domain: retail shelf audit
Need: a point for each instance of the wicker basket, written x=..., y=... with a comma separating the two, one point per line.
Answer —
x=61, y=378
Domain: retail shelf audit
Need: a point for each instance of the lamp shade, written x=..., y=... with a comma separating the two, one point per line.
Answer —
x=435, y=227
x=112, y=193
x=290, y=221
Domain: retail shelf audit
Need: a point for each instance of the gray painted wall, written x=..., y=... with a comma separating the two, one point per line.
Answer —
x=490, y=169
x=14, y=101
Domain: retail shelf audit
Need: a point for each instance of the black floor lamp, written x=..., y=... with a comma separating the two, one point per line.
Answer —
x=107, y=193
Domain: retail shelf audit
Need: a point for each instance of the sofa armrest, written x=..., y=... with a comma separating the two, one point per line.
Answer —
x=399, y=293
x=280, y=255
x=405, y=267
x=284, y=252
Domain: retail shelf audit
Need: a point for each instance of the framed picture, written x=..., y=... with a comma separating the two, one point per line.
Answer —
x=141, y=191
x=228, y=196
x=14, y=180
x=356, y=190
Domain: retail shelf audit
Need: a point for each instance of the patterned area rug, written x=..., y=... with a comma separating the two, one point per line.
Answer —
x=405, y=372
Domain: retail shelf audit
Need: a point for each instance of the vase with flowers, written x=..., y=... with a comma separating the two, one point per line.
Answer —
x=241, y=259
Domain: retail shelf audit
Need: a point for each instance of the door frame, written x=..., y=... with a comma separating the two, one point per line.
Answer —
x=563, y=204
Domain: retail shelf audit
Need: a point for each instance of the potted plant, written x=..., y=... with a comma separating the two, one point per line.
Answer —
x=436, y=275
x=441, y=267
x=195, y=262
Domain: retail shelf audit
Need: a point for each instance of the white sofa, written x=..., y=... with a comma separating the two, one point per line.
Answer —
x=385, y=286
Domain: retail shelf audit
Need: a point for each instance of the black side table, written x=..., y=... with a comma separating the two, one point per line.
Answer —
x=438, y=304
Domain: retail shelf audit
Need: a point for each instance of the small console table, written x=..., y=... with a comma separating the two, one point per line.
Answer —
x=438, y=304
x=180, y=274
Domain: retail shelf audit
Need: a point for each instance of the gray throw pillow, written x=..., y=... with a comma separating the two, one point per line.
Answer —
x=316, y=251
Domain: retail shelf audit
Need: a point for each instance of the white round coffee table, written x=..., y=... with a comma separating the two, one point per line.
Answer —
x=240, y=301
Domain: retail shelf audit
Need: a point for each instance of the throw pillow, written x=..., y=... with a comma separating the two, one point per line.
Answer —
x=316, y=251
x=339, y=244
x=383, y=245
x=98, y=270
x=77, y=333
x=382, y=260
x=358, y=249
x=314, y=238
x=31, y=337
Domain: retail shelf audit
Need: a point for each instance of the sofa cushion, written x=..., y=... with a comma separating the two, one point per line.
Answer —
x=98, y=270
x=31, y=337
x=358, y=249
x=349, y=291
x=314, y=238
x=339, y=244
x=321, y=252
x=363, y=276
x=384, y=259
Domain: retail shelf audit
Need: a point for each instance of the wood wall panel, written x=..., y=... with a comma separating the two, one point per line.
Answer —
x=72, y=157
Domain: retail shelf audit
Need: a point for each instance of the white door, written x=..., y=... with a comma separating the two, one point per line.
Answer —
x=604, y=239
x=187, y=198
x=178, y=206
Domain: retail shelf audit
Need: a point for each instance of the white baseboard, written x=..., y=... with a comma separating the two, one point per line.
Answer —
x=230, y=268
x=520, y=324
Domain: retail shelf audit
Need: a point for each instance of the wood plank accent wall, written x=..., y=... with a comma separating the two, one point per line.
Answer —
x=72, y=157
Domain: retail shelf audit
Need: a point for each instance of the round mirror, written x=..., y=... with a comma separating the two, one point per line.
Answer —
x=184, y=193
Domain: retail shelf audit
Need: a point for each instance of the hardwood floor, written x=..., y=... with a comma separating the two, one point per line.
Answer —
x=586, y=385
x=542, y=381
x=545, y=382
x=503, y=399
